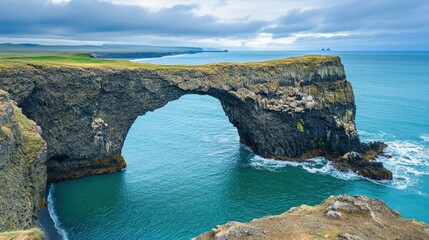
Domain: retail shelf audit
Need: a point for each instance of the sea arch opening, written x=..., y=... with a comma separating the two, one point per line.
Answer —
x=193, y=126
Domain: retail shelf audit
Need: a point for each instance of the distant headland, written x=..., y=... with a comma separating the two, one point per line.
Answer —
x=115, y=51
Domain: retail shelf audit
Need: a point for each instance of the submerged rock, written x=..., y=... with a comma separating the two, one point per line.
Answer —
x=338, y=217
x=290, y=109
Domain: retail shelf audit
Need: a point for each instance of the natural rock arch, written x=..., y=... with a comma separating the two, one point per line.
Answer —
x=288, y=109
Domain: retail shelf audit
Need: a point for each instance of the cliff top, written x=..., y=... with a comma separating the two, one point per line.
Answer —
x=338, y=217
x=85, y=60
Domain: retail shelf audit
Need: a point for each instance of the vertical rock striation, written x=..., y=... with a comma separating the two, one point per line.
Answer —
x=289, y=109
x=22, y=168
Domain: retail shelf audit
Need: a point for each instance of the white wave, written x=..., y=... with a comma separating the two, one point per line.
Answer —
x=315, y=165
x=425, y=137
x=53, y=215
x=327, y=168
x=261, y=163
x=408, y=161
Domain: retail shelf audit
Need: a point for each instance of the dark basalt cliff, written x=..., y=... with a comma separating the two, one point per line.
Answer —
x=22, y=168
x=289, y=109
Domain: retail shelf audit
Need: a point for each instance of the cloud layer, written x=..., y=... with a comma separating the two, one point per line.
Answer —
x=92, y=16
x=309, y=24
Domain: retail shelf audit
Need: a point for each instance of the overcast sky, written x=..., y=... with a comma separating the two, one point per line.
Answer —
x=231, y=24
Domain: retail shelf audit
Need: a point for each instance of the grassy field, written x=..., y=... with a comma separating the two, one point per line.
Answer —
x=73, y=60
x=85, y=60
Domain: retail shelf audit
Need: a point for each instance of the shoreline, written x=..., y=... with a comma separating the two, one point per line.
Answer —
x=45, y=222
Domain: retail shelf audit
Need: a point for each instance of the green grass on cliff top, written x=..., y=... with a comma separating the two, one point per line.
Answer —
x=84, y=60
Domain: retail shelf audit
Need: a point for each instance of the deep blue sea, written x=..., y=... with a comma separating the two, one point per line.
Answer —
x=187, y=171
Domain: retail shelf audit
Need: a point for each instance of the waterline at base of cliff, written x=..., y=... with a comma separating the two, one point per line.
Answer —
x=187, y=171
x=406, y=176
x=48, y=220
x=406, y=159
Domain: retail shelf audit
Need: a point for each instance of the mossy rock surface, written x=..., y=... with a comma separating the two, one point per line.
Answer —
x=22, y=168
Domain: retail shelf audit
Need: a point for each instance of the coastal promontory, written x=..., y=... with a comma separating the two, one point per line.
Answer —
x=339, y=217
x=290, y=109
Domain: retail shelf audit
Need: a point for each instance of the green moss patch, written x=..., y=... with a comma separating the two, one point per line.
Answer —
x=33, y=140
x=300, y=126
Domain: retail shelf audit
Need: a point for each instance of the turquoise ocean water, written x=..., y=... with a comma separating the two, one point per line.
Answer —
x=187, y=171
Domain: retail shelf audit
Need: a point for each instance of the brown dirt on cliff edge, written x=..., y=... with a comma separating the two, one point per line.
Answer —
x=31, y=234
x=338, y=217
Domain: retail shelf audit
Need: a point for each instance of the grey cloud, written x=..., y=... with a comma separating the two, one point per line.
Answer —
x=372, y=24
x=295, y=21
x=356, y=16
x=413, y=41
x=40, y=17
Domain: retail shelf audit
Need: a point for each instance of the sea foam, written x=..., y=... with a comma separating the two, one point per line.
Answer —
x=51, y=209
x=408, y=160
x=425, y=137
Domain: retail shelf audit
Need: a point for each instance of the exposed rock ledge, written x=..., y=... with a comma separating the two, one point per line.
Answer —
x=289, y=109
x=338, y=217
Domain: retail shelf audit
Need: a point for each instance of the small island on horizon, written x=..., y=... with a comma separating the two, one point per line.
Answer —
x=104, y=51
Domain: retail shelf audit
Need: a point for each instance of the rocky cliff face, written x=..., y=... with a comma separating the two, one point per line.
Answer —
x=339, y=217
x=22, y=168
x=288, y=109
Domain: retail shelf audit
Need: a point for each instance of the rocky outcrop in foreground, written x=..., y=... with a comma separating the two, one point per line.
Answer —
x=290, y=109
x=22, y=168
x=31, y=234
x=338, y=217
